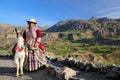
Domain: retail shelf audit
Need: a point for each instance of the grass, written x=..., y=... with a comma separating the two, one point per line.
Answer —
x=2, y=52
x=61, y=47
x=102, y=50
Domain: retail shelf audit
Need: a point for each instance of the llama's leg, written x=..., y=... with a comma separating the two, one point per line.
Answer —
x=17, y=67
x=21, y=65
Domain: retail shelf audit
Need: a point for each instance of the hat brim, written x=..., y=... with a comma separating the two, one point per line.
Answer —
x=32, y=22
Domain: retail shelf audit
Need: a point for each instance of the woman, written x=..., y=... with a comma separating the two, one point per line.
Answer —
x=36, y=51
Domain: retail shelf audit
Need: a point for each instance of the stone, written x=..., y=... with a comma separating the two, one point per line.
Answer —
x=115, y=68
x=83, y=67
x=112, y=75
x=59, y=74
x=54, y=59
x=68, y=73
x=72, y=63
x=73, y=78
x=79, y=64
x=89, y=67
x=95, y=69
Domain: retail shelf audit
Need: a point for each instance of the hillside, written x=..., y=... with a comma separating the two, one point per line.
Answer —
x=100, y=36
x=9, y=28
x=98, y=27
x=42, y=28
x=6, y=28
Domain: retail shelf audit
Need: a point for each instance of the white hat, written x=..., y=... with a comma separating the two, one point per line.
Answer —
x=32, y=20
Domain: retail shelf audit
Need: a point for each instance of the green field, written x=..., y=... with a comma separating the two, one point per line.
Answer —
x=67, y=45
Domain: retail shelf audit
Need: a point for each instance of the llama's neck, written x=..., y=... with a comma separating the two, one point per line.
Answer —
x=19, y=49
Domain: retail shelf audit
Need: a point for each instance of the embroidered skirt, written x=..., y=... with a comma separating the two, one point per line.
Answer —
x=34, y=60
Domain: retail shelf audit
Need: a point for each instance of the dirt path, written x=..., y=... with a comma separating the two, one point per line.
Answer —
x=7, y=72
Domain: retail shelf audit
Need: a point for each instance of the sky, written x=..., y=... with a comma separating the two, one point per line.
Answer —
x=49, y=12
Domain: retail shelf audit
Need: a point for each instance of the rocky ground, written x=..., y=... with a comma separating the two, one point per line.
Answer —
x=7, y=72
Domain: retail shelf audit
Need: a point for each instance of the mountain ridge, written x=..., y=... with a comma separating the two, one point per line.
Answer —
x=100, y=27
x=9, y=28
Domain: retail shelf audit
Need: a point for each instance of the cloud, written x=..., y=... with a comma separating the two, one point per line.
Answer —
x=117, y=8
x=112, y=15
x=113, y=12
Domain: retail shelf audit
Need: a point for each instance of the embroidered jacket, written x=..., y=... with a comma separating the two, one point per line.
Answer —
x=35, y=34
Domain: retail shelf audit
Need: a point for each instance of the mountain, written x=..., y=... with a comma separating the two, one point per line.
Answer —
x=6, y=28
x=99, y=27
x=42, y=28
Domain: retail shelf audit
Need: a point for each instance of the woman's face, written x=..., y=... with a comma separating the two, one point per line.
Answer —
x=31, y=24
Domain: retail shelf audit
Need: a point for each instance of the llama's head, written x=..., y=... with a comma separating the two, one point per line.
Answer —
x=20, y=40
x=18, y=31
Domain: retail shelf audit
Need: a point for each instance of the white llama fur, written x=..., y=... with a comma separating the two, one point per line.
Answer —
x=19, y=56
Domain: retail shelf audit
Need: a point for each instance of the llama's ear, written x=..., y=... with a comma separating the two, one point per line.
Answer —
x=16, y=29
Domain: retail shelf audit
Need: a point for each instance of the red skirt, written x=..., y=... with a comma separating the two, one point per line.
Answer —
x=34, y=60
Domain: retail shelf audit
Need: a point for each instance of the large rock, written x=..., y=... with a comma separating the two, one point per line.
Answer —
x=68, y=73
x=89, y=67
x=78, y=65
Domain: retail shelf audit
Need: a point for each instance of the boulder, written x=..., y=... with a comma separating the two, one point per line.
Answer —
x=83, y=67
x=89, y=67
x=68, y=73
x=59, y=74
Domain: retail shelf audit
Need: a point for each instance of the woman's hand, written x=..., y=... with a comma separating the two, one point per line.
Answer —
x=36, y=44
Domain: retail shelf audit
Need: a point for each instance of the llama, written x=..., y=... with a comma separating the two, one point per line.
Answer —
x=19, y=56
